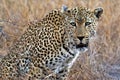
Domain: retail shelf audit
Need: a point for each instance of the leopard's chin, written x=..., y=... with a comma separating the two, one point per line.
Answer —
x=82, y=47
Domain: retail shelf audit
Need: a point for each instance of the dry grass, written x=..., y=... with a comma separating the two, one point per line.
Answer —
x=101, y=62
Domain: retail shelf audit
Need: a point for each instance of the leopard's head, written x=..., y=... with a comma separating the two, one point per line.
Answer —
x=83, y=24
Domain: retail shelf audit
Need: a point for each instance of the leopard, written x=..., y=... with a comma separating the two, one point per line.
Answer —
x=49, y=47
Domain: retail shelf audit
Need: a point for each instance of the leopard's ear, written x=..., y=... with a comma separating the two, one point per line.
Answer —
x=98, y=12
x=64, y=8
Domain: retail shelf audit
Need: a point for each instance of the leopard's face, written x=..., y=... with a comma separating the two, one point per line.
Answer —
x=83, y=24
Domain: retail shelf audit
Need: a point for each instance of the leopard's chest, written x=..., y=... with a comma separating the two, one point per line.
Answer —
x=63, y=60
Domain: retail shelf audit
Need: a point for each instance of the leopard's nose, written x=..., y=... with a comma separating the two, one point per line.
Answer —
x=80, y=38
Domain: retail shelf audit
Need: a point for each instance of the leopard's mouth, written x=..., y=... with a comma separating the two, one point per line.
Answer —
x=81, y=45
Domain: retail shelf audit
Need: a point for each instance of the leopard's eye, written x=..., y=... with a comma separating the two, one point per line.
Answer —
x=73, y=23
x=87, y=23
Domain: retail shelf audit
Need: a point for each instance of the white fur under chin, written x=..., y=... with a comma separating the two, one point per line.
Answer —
x=77, y=53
